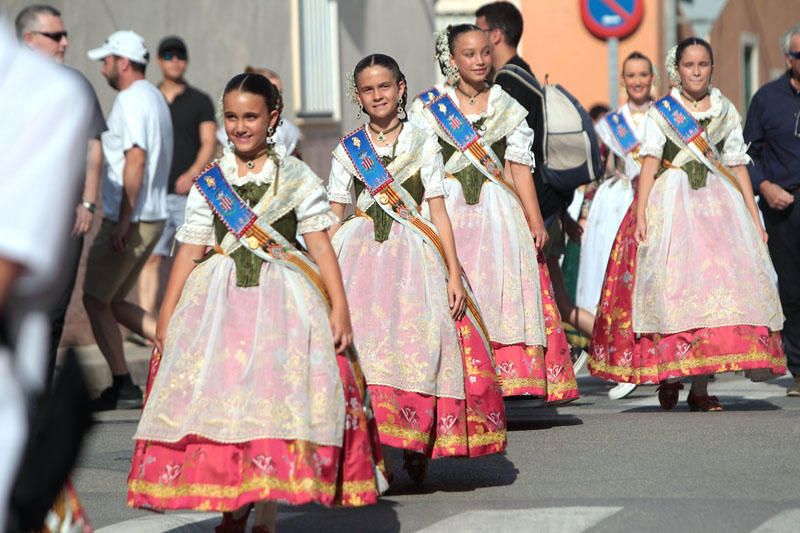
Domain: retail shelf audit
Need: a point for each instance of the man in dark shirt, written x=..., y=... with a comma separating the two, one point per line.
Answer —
x=502, y=23
x=194, y=130
x=773, y=129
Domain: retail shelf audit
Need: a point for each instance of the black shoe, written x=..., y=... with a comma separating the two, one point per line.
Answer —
x=128, y=396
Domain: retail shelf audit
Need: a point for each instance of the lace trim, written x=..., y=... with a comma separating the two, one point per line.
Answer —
x=716, y=104
x=319, y=222
x=196, y=235
x=228, y=165
x=734, y=160
x=435, y=192
x=340, y=197
x=653, y=150
x=517, y=155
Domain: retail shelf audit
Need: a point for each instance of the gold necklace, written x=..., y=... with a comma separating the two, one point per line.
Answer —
x=382, y=134
x=251, y=163
x=692, y=101
x=471, y=98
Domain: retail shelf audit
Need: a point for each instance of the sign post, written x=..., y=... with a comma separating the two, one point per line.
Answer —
x=612, y=20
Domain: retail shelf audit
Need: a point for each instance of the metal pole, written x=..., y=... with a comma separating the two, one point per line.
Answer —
x=613, y=75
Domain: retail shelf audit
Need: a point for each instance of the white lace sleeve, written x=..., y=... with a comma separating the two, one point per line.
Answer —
x=198, y=227
x=734, y=151
x=432, y=171
x=339, y=184
x=314, y=213
x=654, y=140
x=518, y=145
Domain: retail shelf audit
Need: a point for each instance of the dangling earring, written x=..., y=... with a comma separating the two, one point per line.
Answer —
x=452, y=75
x=270, y=132
x=360, y=112
x=401, y=111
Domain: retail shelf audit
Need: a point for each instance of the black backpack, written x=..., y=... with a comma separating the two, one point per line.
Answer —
x=571, y=151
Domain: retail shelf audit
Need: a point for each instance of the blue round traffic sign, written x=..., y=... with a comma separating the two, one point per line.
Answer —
x=612, y=18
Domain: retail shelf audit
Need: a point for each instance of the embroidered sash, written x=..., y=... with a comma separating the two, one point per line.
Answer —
x=621, y=133
x=398, y=203
x=253, y=232
x=690, y=133
x=429, y=95
x=464, y=137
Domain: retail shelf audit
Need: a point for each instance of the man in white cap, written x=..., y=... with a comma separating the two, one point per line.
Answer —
x=138, y=151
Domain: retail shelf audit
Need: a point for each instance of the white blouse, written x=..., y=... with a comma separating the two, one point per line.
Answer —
x=734, y=150
x=313, y=213
x=340, y=181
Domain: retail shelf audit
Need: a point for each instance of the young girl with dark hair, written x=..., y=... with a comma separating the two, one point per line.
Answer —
x=702, y=296
x=426, y=357
x=256, y=398
x=491, y=200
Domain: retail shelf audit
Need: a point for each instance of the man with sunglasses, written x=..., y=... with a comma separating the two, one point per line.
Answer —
x=773, y=129
x=194, y=129
x=40, y=28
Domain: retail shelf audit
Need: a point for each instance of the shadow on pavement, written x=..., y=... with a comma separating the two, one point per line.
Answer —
x=456, y=475
x=380, y=517
x=520, y=417
x=733, y=404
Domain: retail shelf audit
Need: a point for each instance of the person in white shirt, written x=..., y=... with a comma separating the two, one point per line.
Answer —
x=138, y=152
x=40, y=28
x=43, y=161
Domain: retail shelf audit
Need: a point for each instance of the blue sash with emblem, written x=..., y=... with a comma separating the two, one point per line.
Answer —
x=464, y=137
x=681, y=121
x=358, y=147
x=621, y=131
x=429, y=95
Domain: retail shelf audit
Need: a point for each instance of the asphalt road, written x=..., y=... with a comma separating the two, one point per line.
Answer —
x=596, y=465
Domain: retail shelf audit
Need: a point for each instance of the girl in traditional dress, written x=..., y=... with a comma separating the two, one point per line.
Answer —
x=704, y=292
x=428, y=367
x=622, y=132
x=254, y=400
x=497, y=224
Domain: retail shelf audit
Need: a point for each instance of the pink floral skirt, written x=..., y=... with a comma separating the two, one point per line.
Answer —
x=447, y=427
x=201, y=474
x=617, y=354
x=534, y=370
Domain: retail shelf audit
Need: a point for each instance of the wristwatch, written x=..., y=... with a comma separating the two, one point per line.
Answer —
x=89, y=206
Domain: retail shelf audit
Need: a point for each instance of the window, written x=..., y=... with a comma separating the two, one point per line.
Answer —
x=749, y=63
x=319, y=59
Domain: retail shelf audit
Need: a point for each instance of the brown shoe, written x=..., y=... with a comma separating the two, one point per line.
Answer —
x=794, y=389
x=668, y=394
x=703, y=403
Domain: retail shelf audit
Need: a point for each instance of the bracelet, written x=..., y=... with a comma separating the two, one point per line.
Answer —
x=89, y=206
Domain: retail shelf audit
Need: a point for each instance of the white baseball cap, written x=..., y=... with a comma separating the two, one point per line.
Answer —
x=123, y=43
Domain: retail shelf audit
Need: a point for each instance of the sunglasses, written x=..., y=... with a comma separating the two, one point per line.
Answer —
x=793, y=55
x=56, y=36
x=168, y=56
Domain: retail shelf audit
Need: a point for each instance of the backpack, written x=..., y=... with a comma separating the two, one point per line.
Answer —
x=571, y=151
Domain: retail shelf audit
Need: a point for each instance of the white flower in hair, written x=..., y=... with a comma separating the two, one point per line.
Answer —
x=671, y=66
x=442, y=54
x=351, y=89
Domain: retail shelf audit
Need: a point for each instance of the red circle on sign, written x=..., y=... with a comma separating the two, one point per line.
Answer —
x=631, y=21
